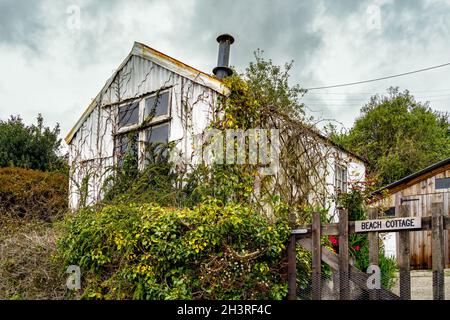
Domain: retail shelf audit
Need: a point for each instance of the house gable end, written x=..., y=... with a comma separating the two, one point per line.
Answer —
x=105, y=96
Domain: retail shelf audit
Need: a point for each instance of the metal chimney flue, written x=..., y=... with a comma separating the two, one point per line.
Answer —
x=223, y=70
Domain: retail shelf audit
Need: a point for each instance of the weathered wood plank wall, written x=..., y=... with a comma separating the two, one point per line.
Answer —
x=419, y=197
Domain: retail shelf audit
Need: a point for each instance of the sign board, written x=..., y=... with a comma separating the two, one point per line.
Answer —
x=388, y=224
x=299, y=231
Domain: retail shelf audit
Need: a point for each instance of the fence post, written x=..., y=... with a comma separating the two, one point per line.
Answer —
x=404, y=259
x=292, y=269
x=344, y=280
x=316, y=257
x=437, y=225
x=374, y=251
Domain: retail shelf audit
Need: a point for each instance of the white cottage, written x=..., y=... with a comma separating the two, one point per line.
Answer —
x=185, y=100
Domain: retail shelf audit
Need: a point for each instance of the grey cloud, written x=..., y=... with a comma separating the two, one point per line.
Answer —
x=281, y=29
x=343, y=8
x=421, y=19
x=34, y=24
x=21, y=23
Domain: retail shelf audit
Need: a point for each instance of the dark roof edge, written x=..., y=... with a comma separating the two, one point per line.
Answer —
x=413, y=176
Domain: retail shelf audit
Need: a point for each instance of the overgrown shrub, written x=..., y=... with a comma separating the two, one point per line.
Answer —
x=145, y=251
x=31, y=194
x=354, y=202
x=27, y=268
x=30, y=146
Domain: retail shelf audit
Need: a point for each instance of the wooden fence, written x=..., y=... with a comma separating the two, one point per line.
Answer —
x=309, y=237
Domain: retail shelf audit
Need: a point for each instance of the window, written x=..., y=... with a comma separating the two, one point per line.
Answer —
x=390, y=212
x=340, y=178
x=143, y=129
x=158, y=134
x=156, y=139
x=442, y=183
x=129, y=115
x=126, y=143
x=157, y=105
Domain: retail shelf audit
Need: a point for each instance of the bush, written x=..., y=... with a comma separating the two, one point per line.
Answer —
x=145, y=251
x=32, y=194
x=354, y=202
x=32, y=147
x=30, y=201
x=27, y=269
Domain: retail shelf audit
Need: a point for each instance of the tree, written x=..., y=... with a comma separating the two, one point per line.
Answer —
x=398, y=135
x=32, y=147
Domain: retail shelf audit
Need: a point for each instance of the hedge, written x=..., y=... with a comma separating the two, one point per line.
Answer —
x=31, y=194
x=145, y=251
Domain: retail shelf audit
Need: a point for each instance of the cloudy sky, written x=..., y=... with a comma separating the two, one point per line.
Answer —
x=53, y=63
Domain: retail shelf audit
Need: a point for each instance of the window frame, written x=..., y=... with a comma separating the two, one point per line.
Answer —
x=157, y=125
x=142, y=127
x=144, y=141
x=162, y=117
x=340, y=182
x=128, y=127
x=118, y=153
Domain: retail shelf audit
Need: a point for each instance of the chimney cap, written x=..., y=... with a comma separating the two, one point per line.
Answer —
x=222, y=72
x=225, y=37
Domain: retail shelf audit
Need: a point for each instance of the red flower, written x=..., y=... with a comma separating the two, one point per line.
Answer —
x=357, y=248
x=333, y=240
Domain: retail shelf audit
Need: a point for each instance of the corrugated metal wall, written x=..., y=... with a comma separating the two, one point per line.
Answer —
x=91, y=151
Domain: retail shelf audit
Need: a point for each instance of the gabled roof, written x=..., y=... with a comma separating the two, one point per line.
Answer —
x=416, y=177
x=163, y=60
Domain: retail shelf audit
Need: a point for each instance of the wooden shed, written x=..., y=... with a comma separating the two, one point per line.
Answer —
x=418, y=191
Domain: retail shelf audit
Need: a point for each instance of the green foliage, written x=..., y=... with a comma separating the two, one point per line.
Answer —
x=157, y=182
x=223, y=182
x=145, y=251
x=164, y=233
x=32, y=147
x=398, y=135
x=354, y=202
x=31, y=194
x=269, y=84
x=260, y=92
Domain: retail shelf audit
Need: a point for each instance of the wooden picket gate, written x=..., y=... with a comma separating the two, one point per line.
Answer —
x=309, y=237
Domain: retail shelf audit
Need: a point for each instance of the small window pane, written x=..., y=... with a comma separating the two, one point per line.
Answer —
x=157, y=105
x=442, y=183
x=126, y=143
x=158, y=134
x=156, y=148
x=340, y=178
x=390, y=212
x=129, y=115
